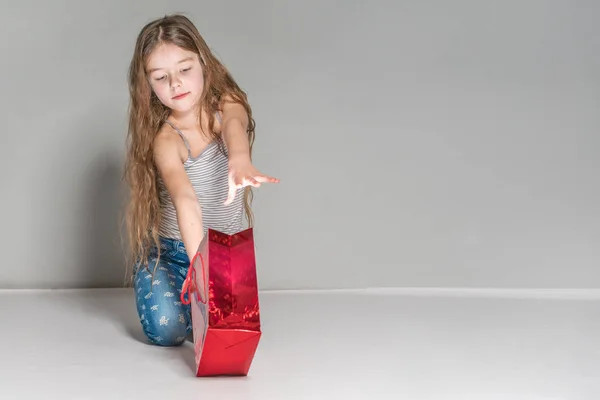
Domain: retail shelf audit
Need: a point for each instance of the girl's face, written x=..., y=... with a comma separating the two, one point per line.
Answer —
x=175, y=76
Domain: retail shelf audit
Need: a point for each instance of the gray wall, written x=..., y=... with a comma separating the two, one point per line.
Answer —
x=419, y=143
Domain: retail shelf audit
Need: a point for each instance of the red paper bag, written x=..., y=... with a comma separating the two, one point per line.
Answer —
x=221, y=286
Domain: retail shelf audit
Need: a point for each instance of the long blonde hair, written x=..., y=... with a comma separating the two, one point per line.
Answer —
x=147, y=115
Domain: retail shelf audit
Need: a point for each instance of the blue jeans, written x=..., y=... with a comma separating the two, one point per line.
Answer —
x=165, y=320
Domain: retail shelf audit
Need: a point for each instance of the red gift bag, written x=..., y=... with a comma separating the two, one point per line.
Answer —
x=221, y=286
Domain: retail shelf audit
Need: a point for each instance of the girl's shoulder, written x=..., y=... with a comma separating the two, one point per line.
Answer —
x=168, y=143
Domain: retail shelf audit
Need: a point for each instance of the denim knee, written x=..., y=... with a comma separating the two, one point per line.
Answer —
x=165, y=319
x=166, y=328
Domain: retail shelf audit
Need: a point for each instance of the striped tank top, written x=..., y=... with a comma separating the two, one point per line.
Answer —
x=208, y=174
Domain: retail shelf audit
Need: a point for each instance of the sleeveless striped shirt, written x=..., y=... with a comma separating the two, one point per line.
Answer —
x=208, y=174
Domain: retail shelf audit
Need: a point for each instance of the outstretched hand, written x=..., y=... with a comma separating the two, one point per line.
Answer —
x=241, y=174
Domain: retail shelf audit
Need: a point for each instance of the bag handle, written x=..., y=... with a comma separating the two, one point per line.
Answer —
x=189, y=284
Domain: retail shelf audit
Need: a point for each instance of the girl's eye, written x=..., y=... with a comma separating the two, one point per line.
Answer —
x=187, y=69
x=160, y=78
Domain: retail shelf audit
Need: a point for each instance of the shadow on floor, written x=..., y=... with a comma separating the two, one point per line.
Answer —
x=117, y=306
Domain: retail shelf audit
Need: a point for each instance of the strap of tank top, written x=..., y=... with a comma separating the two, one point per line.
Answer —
x=187, y=145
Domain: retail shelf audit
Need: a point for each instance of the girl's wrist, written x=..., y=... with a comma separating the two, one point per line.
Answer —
x=239, y=155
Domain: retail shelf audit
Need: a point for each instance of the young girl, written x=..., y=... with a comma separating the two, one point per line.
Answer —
x=188, y=166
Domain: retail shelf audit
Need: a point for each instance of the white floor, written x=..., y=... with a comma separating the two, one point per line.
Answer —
x=332, y=345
